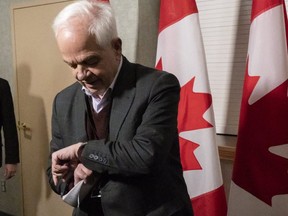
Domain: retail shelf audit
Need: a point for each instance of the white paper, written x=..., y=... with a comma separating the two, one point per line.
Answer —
x=77, y=193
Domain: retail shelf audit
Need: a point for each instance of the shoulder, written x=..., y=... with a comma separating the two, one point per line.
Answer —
x=153, y=78
x=69, y=94
x=148, y=75
x=4, y=89
x=70, y=90
x=4, y=84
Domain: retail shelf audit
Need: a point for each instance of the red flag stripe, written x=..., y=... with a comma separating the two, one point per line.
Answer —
x=260, y=7
x=212, y=203
x=174, y=12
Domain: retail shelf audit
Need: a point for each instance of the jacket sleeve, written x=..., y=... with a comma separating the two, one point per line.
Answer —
x=55, y=144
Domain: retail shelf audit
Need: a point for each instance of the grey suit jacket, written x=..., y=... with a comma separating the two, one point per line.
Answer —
x=140, y=157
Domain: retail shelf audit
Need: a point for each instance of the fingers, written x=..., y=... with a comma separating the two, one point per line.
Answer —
x=81, y=173
x=64, y=160
x=62, y=175
x=53, y=169
x=55, y=179
x=9, y=175
x=10, y=171
x=58, y=168
x=59, y=172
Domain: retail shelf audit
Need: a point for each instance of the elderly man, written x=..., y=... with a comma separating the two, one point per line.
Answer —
x=116, y=126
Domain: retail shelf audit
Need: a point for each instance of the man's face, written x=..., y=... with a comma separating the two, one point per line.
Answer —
x=92, y=66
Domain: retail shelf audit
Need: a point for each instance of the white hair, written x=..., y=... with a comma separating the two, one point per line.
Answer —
x=100, y=16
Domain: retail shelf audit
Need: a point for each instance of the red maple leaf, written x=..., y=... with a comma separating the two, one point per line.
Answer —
x=262, y=125
x=192, y=107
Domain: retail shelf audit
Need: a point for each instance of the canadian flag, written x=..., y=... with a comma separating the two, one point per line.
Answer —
x=260, y=179
x=180, y=51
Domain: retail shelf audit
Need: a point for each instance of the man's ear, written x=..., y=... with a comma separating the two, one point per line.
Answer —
x=117, y=45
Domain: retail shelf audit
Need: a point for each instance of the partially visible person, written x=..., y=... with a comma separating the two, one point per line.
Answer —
x=117, y=125
x=9, y=130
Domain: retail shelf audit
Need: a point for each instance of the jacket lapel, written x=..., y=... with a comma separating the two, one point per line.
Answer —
x=122, y=97
x=82, y=113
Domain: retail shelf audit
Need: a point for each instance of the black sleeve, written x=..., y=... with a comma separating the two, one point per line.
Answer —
x=9, y=125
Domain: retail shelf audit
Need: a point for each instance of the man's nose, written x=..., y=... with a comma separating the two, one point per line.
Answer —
x=81, y=73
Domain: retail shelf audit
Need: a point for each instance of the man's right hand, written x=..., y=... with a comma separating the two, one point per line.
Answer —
x=63, y=161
